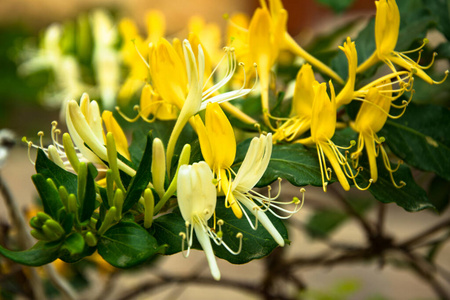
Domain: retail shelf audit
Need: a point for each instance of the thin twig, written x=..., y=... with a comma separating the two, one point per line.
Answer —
x=426, y=275
x=194, y=279
x=425, y=234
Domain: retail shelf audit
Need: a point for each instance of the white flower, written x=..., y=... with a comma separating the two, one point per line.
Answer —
x=252, y=169
x=197, y=201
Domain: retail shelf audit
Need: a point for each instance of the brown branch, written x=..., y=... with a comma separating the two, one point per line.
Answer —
x=425, y=234
x=169, y=279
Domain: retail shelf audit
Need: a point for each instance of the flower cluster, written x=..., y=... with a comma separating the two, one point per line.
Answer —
x=196, y=171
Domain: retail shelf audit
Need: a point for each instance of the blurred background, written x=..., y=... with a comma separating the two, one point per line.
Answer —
x=24, y=110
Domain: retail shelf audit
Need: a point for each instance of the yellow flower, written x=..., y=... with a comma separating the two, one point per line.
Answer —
x=387, y=25
x=135, y=49
x=218, y=145
x=371, y=118
x=323, y=124
x=267, y=35
x=346, y=95
x=302, y=102
x=197, y=98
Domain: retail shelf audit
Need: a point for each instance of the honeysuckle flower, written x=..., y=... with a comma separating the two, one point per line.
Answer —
x=323, y=125
x=302, y=103
x=197, y=98
x=197, y=197
x=370, y=119
x=387, y=25
x=267, y=35
x=135, y=48
x=85, y=127
x=250, y=172
x=218, y=145
x=346, y=95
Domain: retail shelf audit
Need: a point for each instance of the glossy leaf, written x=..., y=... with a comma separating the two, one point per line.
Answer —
x=87, y=205
x=141, y=179
x=49, y=195
x=40, y=254
x=127, y=244
x=256, y=243
x=411, y=197
x=420, y=137
x=51, y=170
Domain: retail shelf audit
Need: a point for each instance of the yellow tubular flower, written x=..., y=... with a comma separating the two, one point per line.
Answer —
x=302, y=103
x=279, y=15
x=387, y=25
x=346, y=95
x=218, y=145
x=135, y=49
x=370, y=119
x=167, y=72
x=264, y=42
x=323, y=124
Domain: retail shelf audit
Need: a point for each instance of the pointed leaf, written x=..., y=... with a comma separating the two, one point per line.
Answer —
x=49, y=195
x=142, y=177
x=40, y=254
x=87, y=206
x=420, y=137
x=51, y=170
x=127, y=244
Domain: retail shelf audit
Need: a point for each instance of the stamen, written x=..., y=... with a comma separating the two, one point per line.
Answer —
x=41, y=136
x=131, y=120
x=30, y=144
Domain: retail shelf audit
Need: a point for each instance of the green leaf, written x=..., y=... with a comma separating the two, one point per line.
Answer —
x=166, y=230
x=420, y=137
x=87, y=205
x=49, y=195
x=439, y=193
x=411, y=197
x=323, y=222
x=256, y=243
x=51, y=170
x=127, y=244
x=141, y=179
x=293, y=162
x=40, y=254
